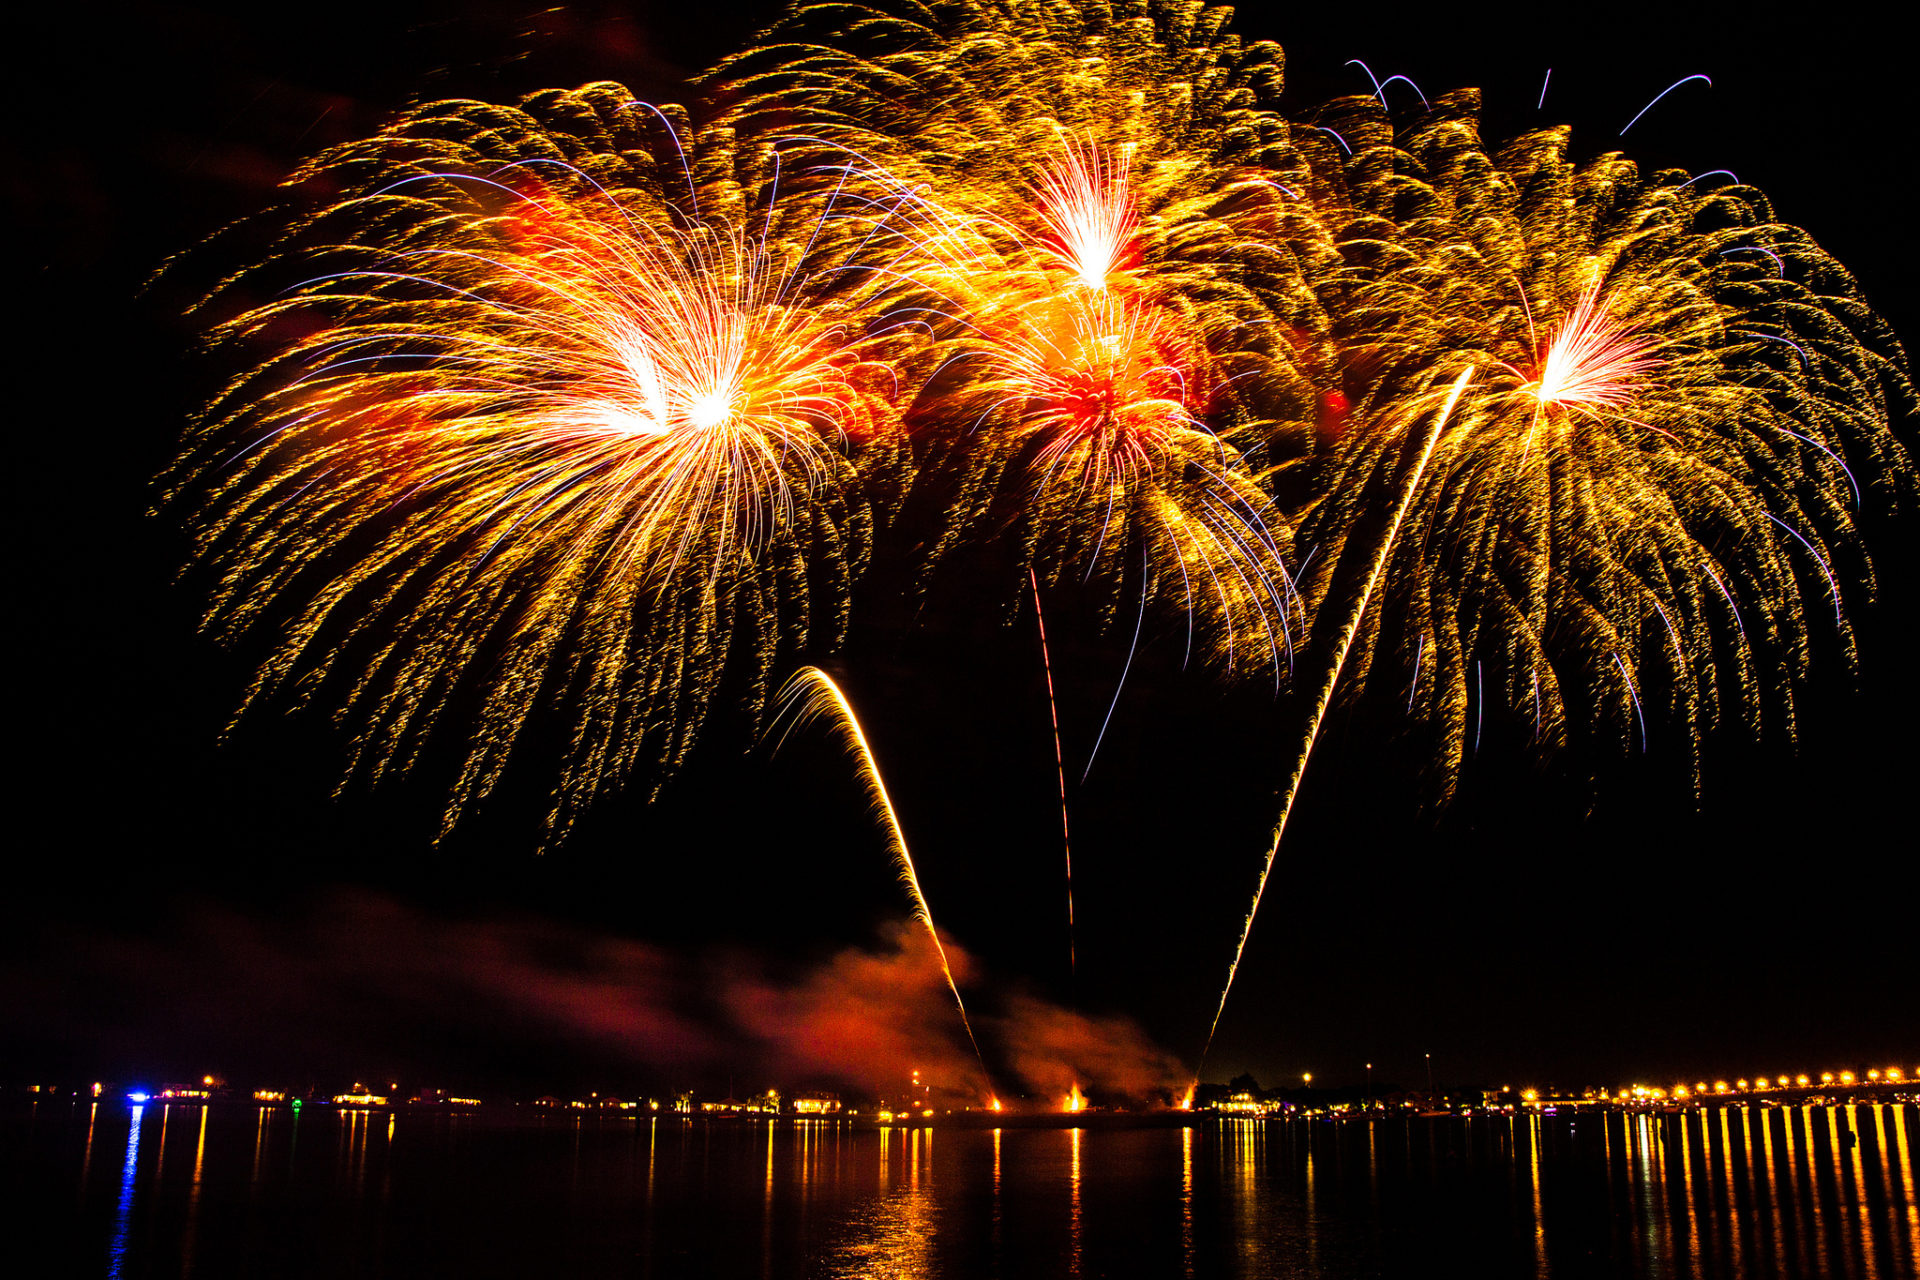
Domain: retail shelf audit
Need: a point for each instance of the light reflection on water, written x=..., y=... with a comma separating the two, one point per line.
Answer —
x=892, y=1234
x=1073, y=1232
x=229, y=1191
x=123, y=1212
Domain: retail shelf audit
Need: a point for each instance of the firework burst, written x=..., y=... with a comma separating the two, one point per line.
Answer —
x=1644, y=509
x=1086, y=202
x=566, y=414
x=531, y=436
x=1646, y=489
x=1112, y=264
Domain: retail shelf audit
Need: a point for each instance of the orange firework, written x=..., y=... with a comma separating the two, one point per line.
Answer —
x=1633, y=509
x=1081, y=408
x=1593, y=360
x=1100, y=379
x=530, y=439
x=1655, y=478
x=1063, y=198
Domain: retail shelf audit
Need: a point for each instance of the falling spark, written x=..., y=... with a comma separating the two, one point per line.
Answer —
x=1133, y=649
x=1663, y=93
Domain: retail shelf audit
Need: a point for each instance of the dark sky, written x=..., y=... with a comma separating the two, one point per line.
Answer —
x=164, y=887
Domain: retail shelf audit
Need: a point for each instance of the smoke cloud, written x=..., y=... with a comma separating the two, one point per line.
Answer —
x=359, y=981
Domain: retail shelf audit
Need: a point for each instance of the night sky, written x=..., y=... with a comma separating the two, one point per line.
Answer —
x=179, y=905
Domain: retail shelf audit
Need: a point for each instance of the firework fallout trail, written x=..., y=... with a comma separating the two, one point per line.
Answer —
x=813, y=693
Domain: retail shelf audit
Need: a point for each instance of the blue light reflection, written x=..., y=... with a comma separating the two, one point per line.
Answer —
x=123, y=1216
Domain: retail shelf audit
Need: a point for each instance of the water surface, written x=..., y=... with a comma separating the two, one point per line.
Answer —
x=238, y=1191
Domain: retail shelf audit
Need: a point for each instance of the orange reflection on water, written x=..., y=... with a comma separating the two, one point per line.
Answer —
x=1313, y=1237
x=1736, y=1221
x=1857, y=1190
x=1539, y=1218
x=891, y=1234
x=86, y=1159
x=192, y=1226
x=1771, y=1198
x=259, y=1142
x=996, y=1196
x=1073, y=1259
x=766, y=1209
x=1905, y=1165
x=1186, y=1198
x=1692, y=1243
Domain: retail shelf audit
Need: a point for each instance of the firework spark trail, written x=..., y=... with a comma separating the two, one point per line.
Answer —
x=813, y=693
x=1060, y=768
x=1133, y=649
x=1089, y=212
x=1324, y=697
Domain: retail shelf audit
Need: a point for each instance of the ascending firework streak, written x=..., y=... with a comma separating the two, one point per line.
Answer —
x=1059, y=768
x=1324, y=697
x=812, y=692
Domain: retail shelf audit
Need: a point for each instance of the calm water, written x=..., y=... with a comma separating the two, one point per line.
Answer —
x=239, y=1191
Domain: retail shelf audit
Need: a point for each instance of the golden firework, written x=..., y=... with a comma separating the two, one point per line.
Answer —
x=1649, y=481
x=552, y=422
x=566, y=413
x=1646, y=504
x=1097, y=225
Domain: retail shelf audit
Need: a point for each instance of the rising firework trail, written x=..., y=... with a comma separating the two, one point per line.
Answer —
x=1060, y=770
x=813, y=693
x=1323, y=698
